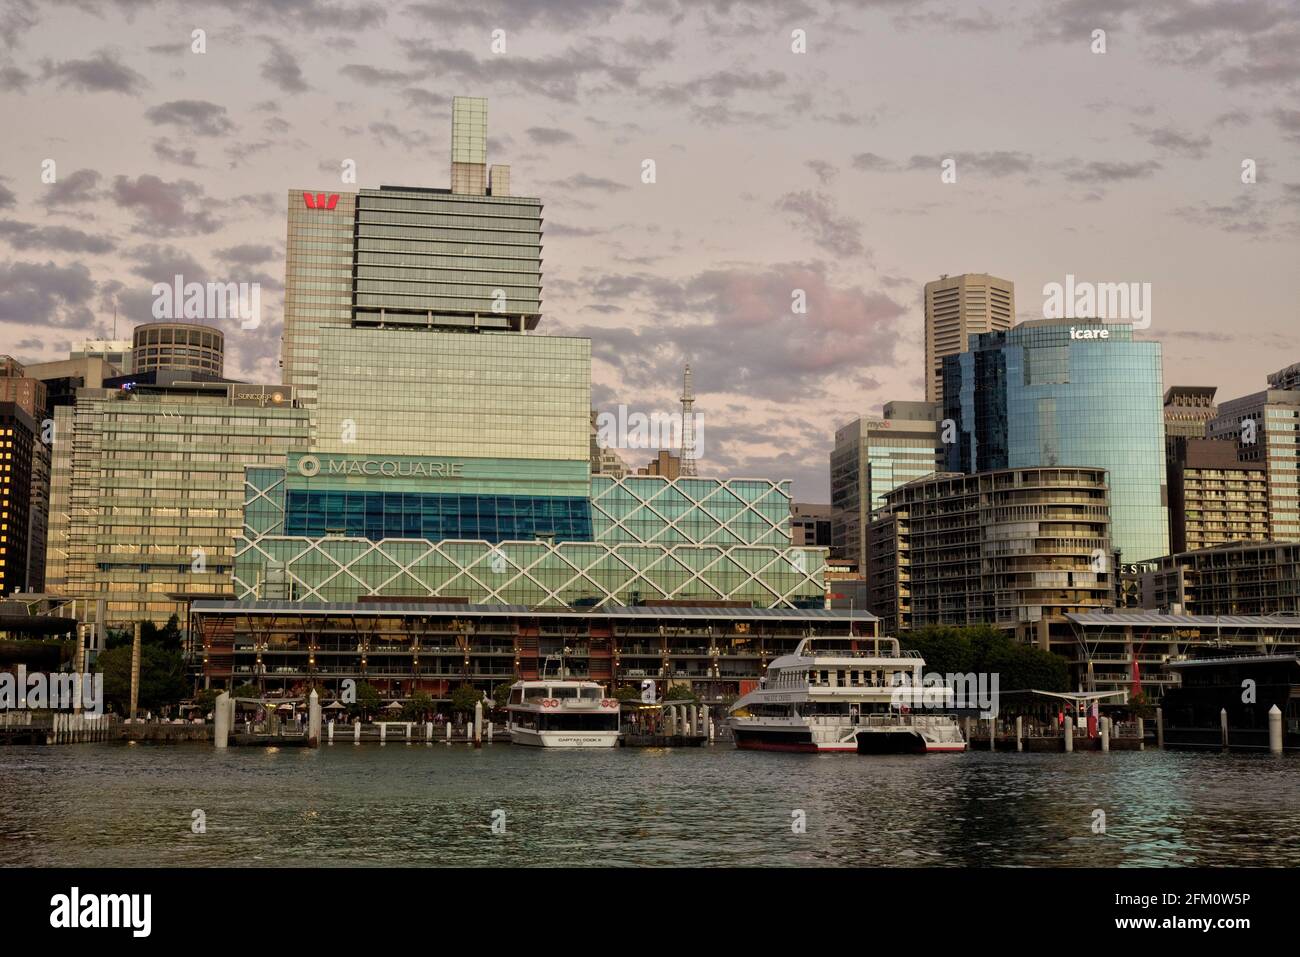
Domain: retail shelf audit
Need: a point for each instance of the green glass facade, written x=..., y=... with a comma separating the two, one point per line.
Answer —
x=149, y=492
x=425, y=392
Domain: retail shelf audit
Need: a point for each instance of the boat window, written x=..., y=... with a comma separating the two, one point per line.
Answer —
x=564, y=692
x=516, y=695
x=589, y=693
x=825, y=678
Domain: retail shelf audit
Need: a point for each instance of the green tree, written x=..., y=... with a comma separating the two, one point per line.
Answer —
x=168, y=637
x=946, y=650
x=418, y=706
x=627, y=693
x=205, y=700
x=162, y=677
x=501, y=694
x=989, y=650
x=367, y=702
x=464, y=698
x=680, y=692
x=247, y=690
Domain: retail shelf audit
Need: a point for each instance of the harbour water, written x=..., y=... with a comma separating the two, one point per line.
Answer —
x=102, y=805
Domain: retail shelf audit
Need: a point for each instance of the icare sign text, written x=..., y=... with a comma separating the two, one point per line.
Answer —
x=310, y=465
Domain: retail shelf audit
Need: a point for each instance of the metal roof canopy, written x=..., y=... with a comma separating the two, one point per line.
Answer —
x=1186, y=621
x=1070, y=695
x=1234, y=659
x=264, y=607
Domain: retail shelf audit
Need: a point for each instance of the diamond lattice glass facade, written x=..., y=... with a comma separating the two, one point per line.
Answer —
x=712, y=540
x=1040, y=395
x=691, y=511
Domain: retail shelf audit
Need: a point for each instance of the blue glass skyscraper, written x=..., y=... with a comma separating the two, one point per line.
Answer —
x=1073, y=392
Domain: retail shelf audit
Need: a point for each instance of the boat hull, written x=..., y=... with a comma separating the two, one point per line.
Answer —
x=563, y=739
x=882, y=741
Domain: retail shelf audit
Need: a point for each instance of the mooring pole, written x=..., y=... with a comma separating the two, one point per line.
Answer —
x=135, y=672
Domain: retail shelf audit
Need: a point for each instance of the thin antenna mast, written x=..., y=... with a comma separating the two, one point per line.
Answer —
x=688, y=424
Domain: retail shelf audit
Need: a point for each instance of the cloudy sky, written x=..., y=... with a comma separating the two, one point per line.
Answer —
x=776, y=170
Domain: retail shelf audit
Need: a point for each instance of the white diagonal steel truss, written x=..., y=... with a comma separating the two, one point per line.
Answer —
x=618, y=531
x=781, y=577
x=513, y=572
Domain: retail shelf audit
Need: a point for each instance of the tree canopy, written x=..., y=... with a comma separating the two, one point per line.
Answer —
x=949, y=649
x=465, y=697
x=162, y=677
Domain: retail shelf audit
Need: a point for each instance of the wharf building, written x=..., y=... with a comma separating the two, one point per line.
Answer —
x=405, y=646
x=1015, y=548
x=1131, y=651
x=1068, y=393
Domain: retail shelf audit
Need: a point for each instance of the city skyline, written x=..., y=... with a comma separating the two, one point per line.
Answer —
x=775, y=171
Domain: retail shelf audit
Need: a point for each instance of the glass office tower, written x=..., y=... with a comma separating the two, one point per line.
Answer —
x=1049, y=393
x=871, y=458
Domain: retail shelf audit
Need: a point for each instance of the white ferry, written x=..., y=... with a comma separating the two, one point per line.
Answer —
x=845, y=694
x=556, y=713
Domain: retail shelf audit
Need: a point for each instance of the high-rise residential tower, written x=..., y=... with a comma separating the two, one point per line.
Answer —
x=957, y=307
x=1214, y=498
x=1266, y=429
x=1017, y=548
x=1065, y=393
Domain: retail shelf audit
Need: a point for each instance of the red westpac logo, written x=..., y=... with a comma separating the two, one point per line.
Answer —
x=320, y=201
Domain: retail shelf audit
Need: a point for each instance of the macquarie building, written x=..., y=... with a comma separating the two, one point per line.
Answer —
x=450, y=455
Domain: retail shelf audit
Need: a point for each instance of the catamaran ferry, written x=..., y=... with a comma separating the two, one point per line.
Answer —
x=555, y=713
x=845, y=694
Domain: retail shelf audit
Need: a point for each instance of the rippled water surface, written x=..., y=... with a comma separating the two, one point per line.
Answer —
x=119, y=805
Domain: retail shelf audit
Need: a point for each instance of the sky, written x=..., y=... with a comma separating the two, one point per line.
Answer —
x=795, y=146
